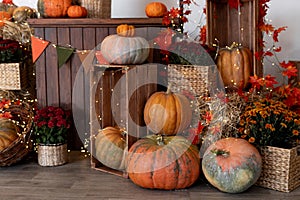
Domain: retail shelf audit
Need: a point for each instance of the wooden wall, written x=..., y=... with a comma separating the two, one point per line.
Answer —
x=54, y=86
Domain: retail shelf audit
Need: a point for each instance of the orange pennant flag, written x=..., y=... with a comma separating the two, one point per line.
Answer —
x=37, y=46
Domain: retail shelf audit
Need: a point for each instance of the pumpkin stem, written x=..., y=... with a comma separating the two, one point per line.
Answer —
x=169, y=89
x=160, y=140
x=220, y=152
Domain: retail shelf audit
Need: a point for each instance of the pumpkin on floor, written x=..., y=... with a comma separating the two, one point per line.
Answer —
x=8, y=133
x=53, y=8
x=163, y=162
x=167, y=113
x=235, y=65
x=232, y=165
x=125, y=50
x=110, y=145
x=155, y=9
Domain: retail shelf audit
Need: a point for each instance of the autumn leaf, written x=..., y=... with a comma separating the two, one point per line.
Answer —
x=270, y=81
x=277, y=31
x=255, y=82
x=267, y=28
x=290, y=71
x=203, y=34
x=286, y=65
x=268, y=53
x=278, y=49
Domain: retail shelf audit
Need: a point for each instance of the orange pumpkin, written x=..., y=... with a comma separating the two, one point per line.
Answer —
x=163, y=162
x=235, y=65
x=232, y=165
x=4, y=16
x=53, y=8
x=167, y=113
x=77, y=11
x=8, y=133
x=126, y=30
x=155, y=9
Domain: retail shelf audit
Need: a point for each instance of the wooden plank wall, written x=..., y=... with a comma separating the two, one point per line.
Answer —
x=54, y=85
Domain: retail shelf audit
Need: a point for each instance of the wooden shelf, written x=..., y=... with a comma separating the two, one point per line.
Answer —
x=94, y=22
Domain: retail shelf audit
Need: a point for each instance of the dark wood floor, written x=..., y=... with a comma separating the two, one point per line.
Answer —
x=77, y=180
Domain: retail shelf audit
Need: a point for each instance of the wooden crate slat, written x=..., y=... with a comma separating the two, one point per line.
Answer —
x=65, y=82
x=41, y=83
x=52, y=68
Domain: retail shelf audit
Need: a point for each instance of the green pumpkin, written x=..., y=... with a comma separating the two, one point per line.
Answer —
x=232, y=165
x=110, y=145
x=125, y=50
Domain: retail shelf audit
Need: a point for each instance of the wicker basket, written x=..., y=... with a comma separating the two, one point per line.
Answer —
x=17, y=150
x=281, y=168
x=52, y=155
x=10, y=76
x=97, y=8
x=199, y=80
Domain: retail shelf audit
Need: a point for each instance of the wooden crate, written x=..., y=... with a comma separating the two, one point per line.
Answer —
x=228, y=25
x=82, y=34
x=117, y=98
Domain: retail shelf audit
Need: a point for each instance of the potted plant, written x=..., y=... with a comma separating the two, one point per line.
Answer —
x=51, y=126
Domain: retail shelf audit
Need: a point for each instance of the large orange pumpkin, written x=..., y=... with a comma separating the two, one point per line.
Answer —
x=110, y=145
x=53, y=8
x=232, y=165
x=8, y=133
x=163, y=162
x=235, y=65
x=167, y=113
x=125, y=50
x=155, y=9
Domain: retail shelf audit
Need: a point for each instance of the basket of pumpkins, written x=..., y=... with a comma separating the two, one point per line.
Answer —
x=16, y=119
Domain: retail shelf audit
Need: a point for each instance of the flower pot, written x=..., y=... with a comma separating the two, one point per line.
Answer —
x=280, y=169
x=52, y=154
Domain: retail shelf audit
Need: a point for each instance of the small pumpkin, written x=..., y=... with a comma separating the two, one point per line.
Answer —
x=232, y=165
x=22, y=13
x=110, y=145
x=4, y=16
x=76, y=11
x=125, y=50
x=163, y=162
x=8, y=133
x=235, y=65
x=155, y=9
x=53, y=8
x=125, y=30
x=167, y=113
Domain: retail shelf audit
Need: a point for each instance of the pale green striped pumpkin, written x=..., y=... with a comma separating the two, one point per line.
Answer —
x=125, y=50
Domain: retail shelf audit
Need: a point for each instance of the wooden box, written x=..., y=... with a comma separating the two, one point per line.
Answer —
x=229, y=25
x=117, y=98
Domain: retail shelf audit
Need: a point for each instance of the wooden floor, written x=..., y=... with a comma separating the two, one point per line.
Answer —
x=77, y=180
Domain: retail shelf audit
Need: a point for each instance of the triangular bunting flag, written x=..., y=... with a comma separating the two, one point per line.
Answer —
x=100, y=58
x=37, y=46
x=87, y=58
x=63, y=54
